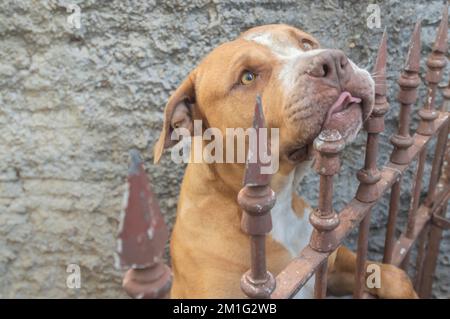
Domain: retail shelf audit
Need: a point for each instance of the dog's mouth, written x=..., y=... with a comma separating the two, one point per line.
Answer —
x=342, y=110
x=345, y=115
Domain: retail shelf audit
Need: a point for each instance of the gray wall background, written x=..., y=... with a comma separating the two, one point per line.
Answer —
x=73, y=102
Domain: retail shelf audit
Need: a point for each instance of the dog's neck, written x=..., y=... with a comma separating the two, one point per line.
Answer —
x=208, y=215
x=228, y=177
x=290, y=214
x=222, y=182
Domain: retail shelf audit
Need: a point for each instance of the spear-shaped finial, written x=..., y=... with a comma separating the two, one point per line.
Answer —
x=257, y=147
x=143, y=233
x=256, y=199
x=409, y=81
x=142, y=237
x=412, y=63
x=436, y=63
x=441, y=43
x=259, y=120
x=380, y=67
x=370, y=175
x=437, y=60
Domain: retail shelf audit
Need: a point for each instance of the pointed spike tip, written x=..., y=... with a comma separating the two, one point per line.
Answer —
x=380, y=63
x=412, y=63
x=253, y=175
x=259, y=120
x=380, y=66
x=440, y=45
x=258, y=101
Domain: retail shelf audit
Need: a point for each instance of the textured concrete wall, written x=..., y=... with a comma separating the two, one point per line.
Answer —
x=73, y=102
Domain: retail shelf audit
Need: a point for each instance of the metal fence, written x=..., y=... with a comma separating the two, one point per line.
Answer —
x=143, y=234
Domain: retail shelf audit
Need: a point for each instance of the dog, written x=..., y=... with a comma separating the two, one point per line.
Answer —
x=299, y=83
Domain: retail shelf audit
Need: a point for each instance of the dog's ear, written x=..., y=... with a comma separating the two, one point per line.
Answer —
x=177, y=114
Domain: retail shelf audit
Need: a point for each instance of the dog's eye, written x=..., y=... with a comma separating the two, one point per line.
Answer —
x=307, y=44
x=248, y=77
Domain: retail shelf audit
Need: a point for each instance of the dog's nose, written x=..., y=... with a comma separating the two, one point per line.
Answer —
x=332, y=66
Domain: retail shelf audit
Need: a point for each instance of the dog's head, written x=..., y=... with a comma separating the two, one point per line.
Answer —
x=304, y=90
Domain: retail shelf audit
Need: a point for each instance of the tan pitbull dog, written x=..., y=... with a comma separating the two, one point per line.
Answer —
x=299, y=84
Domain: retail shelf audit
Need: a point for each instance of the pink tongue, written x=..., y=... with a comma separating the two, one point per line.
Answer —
x=343, y=100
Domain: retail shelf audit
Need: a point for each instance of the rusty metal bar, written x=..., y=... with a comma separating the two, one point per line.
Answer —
x=369, y=176
x=420, y=259
x=440, y=222
x=256, y=199
x=320, y=284
x=439, y=151
x=437, y=164
x=389, y=241
x=425, y=262
x=435, y=63
x=424, y=215
x=431, y=258
x=409, y=81
x=430, y=199
x=436, y=228
x=445, y=107
x=414, y=205
x=300, y=269
x=142, y=238
x=361, y=257
x=324, y=219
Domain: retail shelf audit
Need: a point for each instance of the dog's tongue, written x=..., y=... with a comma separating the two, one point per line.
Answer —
x=341, y=103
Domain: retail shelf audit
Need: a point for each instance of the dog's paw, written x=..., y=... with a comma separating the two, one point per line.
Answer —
x=395, y=284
